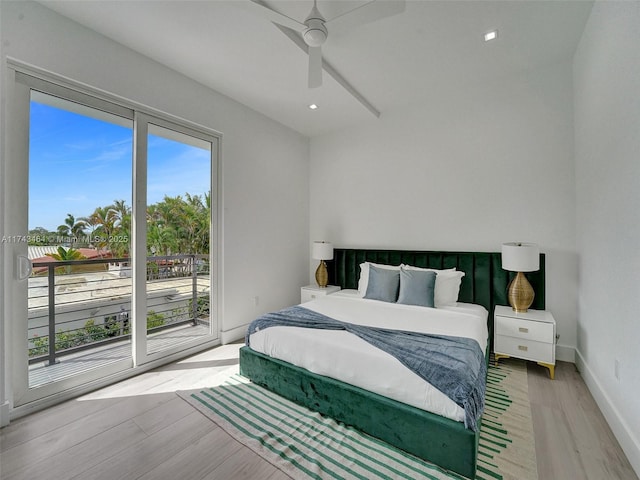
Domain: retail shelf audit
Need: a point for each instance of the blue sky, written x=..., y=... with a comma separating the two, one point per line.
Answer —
x=77, y=163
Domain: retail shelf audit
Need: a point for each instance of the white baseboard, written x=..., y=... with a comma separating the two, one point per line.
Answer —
x=627, y=439
x=4, y=414
x=566, y=353
x=230, y=336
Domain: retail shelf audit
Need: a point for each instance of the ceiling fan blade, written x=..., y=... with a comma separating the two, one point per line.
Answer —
x=367, y=13
x=261, y=9
x=297, y=39
x=315, y=67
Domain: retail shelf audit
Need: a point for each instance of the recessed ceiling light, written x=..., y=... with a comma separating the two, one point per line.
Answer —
x=492, y=35
x=313, y=106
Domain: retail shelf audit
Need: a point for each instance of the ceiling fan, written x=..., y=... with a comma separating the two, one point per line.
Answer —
x=315, y=28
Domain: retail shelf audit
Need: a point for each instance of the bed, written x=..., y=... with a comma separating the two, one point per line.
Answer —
x=439, y=437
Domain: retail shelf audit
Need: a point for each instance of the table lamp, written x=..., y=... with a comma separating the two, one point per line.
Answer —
x=520, y=257
x=322, y=251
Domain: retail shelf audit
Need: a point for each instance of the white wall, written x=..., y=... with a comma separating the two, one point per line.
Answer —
x=264, y=164
x=467, y=171
x=607, y=137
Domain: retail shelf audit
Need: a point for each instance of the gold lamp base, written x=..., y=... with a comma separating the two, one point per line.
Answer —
x=520, y=293
x=322, y=275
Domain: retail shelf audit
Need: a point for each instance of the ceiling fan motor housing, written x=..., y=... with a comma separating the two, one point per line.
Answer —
x=316, y=33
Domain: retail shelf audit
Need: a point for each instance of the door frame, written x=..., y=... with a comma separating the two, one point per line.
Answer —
x=142, y=121
x=15, y=169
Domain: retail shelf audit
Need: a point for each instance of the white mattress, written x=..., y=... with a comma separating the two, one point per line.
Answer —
x=345, y=357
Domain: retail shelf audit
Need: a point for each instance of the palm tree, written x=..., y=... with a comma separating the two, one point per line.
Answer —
x=161, y=227
x=66, y=255
x=160, y=239
x=65, y=229
x=121, y=235
x=174, y=225
x=188, y=219
x=202, y=222
x=191, y=220
x=120, y=212
x=102, y=223
x=72, y=228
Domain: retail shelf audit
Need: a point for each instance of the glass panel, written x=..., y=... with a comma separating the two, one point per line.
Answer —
x=178, y=238
x=79, y=292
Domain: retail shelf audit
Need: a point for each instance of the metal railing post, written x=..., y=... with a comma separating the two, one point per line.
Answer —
x=52, y=315
x=194, y=289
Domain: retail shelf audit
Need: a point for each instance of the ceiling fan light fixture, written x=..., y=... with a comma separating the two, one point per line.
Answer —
x=316, y=33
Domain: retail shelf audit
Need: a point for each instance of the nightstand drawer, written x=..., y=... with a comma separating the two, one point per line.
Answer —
x=525, y=329
x=311, y=292
x=307, y=296
x=525, y=349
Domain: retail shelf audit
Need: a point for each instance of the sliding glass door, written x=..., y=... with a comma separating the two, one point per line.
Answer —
x=110, y=233
x=80, y=163
x=174, y=172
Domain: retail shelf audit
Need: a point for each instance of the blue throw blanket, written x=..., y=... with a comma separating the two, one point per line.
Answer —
x=454, y=365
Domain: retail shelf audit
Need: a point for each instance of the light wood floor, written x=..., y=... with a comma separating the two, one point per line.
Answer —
x=573, y=440
x=140, y=429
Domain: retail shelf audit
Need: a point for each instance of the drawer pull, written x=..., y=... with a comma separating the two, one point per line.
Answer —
x=523, y=348
x=523, y=330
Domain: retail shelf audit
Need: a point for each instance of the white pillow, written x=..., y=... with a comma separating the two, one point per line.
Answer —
x=447, y=285
x=363, y=283
x=411, y=267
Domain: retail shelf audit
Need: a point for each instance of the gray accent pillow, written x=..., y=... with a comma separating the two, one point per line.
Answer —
x=383, y=284
x=417, y=287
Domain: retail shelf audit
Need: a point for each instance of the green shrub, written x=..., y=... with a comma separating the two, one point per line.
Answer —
x=202, y=306
x=154, y=320
x=91, y=333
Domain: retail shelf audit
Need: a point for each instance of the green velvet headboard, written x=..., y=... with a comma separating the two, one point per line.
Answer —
x=484, y=283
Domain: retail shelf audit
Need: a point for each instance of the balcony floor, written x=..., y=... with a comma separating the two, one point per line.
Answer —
x=41, y=373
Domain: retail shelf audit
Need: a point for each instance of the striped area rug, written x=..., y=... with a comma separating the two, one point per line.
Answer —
x=306, y=445
x=507, y=446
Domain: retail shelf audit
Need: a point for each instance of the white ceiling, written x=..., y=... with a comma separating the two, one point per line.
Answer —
x=432, y=48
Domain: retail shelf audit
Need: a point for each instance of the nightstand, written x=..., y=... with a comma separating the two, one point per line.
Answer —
x=530, y=336
x=311, y=292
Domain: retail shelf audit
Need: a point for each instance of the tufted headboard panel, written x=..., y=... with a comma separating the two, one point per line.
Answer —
x=484, y=283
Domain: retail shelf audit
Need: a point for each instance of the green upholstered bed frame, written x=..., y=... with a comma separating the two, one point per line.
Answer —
x=484, y=283
x=431, y=437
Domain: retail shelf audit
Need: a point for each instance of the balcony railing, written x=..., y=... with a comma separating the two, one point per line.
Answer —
x=83, y=304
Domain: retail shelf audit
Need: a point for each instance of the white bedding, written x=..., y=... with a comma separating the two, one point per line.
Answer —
x=346, y=357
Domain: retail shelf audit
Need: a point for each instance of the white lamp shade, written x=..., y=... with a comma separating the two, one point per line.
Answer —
x=520, y=257
x=322, y=251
